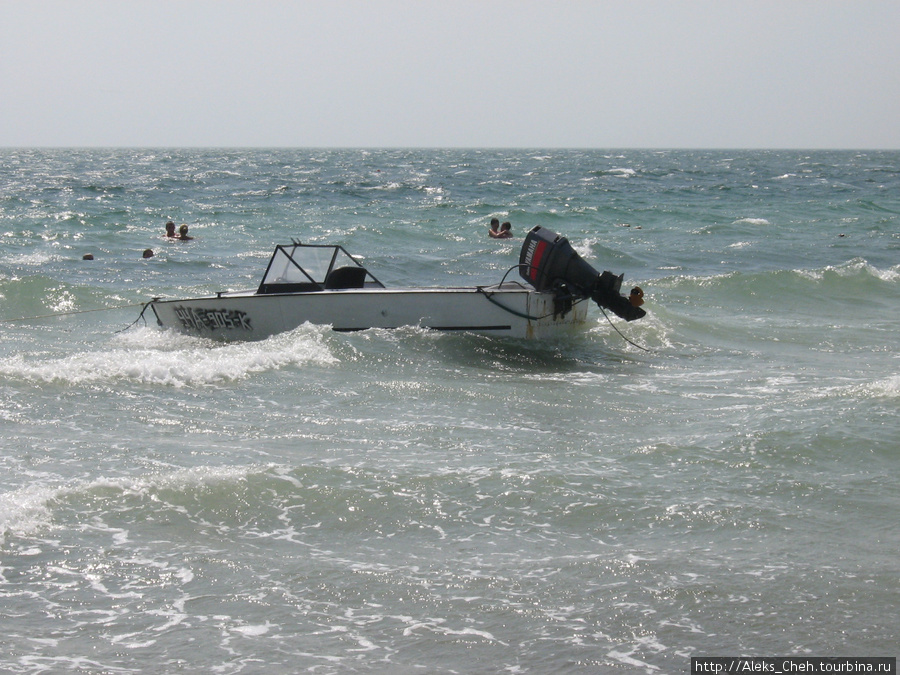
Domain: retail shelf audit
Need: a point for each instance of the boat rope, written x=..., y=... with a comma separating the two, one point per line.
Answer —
x=616, y=328
x=140, y=316
x=514, y=312
x=80, y=311
x=489, y=296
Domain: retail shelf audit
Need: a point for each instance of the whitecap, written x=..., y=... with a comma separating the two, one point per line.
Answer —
x=851, y=268
x=25, y=511
x=253, y=630
x=179, y=480
x=35, y=259
x=885, y=388
x=154, y=357
x=628, y=660
x=472, y=631
x=184, y=575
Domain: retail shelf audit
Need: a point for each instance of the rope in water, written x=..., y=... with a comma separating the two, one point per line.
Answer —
x=80, y=311
x=633, y=344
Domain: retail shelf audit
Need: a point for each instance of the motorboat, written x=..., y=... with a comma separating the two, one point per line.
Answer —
x=324, y=284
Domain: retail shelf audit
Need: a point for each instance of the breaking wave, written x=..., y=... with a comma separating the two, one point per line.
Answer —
x=150, y=356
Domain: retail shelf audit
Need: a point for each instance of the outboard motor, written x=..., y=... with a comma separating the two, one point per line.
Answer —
x=549, y=263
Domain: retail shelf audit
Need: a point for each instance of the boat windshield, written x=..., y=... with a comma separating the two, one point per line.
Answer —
x=306, y=267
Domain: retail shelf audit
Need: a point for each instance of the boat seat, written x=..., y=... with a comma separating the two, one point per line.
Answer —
x=346, y=277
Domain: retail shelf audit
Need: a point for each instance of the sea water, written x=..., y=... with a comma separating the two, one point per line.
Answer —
x=724, y=482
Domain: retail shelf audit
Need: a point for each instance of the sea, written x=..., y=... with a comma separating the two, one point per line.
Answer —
x=716, y=479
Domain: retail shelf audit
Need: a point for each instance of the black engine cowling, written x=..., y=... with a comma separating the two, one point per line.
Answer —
x=549, y=263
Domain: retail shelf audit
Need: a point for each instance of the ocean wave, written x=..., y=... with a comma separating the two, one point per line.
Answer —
x=856, y=276
x=888, y=387
x=33, y=259
x=29, y=510
x=150, y=356
x=858, y=268
x=38, y=296
x=25, y=511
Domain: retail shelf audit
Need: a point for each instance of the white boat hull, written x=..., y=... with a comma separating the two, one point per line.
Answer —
x=510, y=310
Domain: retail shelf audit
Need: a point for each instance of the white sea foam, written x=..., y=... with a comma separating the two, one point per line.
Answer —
x=253, y=630
x=180, y=480
x=628, y=659
x=888, y=387
x=36, y=259
x=854, y=267
x=25, y=511
x=154, y=357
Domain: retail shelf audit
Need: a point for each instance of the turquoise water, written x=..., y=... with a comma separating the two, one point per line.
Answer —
x=411, y=501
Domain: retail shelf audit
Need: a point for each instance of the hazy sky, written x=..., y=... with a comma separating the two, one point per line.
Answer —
x=451, y=73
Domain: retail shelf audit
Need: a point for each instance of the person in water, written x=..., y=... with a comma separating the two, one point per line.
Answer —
x=505, y=231
x=495, y=227
x=170, y=229
x=183, y=233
